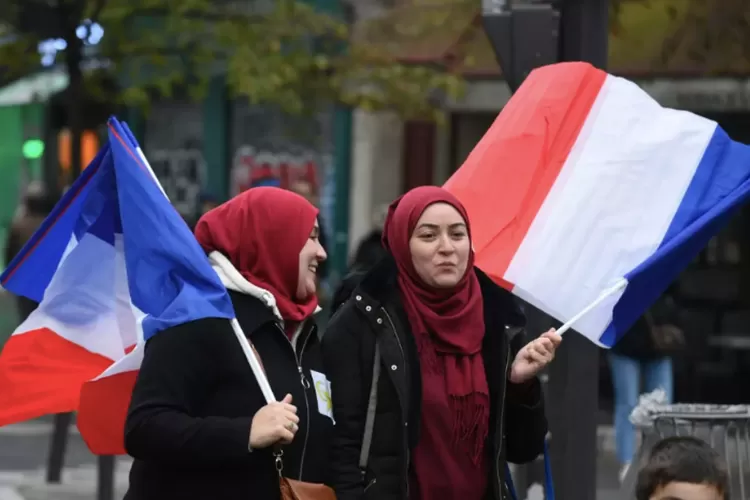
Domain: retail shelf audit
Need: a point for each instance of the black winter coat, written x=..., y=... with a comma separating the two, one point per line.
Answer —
x=518, y=426
x=188, y=426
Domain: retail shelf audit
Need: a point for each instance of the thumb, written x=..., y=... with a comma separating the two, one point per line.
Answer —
x=287, y=399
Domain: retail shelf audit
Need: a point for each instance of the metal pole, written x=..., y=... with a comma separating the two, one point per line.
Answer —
x=56, y=459
x=574, y=375
x=105, y=487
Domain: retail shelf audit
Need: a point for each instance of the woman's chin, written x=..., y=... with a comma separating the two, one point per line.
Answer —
x=308, y=291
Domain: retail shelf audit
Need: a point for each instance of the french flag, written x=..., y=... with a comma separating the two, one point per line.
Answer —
x=586, y=195
x=111, y=266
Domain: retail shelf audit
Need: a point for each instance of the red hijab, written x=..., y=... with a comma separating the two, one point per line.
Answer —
x=262, y=232
x=448, y=325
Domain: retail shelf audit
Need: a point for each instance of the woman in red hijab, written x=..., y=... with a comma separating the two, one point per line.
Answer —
x=198, y=425
x=457, y=395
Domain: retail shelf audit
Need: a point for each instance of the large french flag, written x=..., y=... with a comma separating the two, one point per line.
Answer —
x=586, y=191
x=112, y=265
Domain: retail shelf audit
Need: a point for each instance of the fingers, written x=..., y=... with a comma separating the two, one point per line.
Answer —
x=287, y=399
x=552, y=336
x=541, y=350
x=286, y=436
x=537, y=357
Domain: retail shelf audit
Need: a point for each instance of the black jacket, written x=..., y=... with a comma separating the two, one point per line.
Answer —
x=188, y=426
x=374, y=313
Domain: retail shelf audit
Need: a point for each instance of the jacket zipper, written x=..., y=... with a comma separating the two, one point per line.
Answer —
x=305, y=386
x=406, y=432
x=500, y=429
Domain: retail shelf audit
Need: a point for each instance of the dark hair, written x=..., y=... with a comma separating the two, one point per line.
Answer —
x=685, y=460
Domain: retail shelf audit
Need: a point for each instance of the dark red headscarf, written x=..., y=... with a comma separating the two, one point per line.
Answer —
x=448, y=324
x=262, y=232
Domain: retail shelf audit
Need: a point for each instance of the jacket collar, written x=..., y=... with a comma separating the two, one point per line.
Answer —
x=254, y=306
x=381, y=285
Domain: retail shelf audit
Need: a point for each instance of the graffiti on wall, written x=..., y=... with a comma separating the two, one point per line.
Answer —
x=182, y=173
x=256, y=166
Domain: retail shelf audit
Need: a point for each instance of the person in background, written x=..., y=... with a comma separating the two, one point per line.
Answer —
x=198, y=425
x=370, y=250
x=683, y=468
x=642, y=358
x=458, y=395
x=35, y=206
x=207, y=202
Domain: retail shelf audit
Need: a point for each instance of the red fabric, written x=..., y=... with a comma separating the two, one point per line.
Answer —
x=262, y=231
x=448, y=326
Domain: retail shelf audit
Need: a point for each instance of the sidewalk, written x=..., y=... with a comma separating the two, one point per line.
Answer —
x=77, y=484
x=24, y=448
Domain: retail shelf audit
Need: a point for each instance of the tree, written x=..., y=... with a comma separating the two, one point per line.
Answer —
x=281, y=52
x=710, y=36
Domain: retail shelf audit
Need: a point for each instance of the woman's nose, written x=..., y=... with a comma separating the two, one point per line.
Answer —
x=321, y=253
x=446, y=245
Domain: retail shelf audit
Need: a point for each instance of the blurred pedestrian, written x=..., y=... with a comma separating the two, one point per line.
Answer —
x=369, y=252
x=35, y=206
x=198, y=425
x=370, y=249
x=641, y=362
x=458, y=395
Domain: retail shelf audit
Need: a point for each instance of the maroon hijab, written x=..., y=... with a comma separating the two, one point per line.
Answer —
x=448, y=324
x=262, y=232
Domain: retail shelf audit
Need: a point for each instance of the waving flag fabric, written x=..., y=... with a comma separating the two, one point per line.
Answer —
x=111, y=266
x=585, y=184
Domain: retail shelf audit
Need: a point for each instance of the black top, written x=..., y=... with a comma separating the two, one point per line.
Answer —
x=188, y=426
x=374, y=314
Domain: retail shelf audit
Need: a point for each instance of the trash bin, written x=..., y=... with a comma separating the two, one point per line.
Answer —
x=725, y=427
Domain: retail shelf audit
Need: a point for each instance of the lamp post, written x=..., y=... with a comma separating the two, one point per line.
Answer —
x=525, y=35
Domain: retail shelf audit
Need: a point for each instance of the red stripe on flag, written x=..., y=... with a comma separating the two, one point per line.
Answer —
x=42, y=373
x=508, y=175
x=102, y=412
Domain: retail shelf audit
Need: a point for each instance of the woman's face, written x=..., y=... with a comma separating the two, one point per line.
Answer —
x=440, y=246
x=311, y=255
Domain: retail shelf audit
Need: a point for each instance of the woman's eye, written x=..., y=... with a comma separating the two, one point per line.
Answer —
x=427, y=236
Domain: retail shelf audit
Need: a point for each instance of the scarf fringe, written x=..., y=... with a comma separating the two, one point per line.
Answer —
x=471, y=414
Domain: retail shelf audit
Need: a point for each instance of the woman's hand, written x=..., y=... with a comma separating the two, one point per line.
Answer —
x=274, y=422
x=534, y=356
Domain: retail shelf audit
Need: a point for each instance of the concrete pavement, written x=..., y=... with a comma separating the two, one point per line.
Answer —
x=24, y=448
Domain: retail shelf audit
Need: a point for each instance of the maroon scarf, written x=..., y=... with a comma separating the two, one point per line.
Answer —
x=262, y=232
x=448, y=325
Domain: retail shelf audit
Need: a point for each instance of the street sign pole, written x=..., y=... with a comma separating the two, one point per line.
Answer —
x=525, y=35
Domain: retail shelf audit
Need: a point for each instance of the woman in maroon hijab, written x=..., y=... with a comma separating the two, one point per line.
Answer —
x=198, y=425
x=458, y=394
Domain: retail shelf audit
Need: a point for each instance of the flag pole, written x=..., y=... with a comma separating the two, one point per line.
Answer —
x=602, y=297
x=252, y=359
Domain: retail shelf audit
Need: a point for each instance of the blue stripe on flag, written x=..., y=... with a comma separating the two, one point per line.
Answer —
x=720, y=184
x=31, y=270
x=169, y=276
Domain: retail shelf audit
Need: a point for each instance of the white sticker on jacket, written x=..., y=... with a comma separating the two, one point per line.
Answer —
x=323, y=393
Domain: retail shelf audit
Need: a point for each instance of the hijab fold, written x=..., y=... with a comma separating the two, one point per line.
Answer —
x=448, y=324
x=262, y=232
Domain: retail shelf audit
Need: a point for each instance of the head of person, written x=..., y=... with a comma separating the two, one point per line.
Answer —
x=207, y=203
x=683, y=468
x=427, y=231
x=38, y=200
x=270, y=235
x=304, y=188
